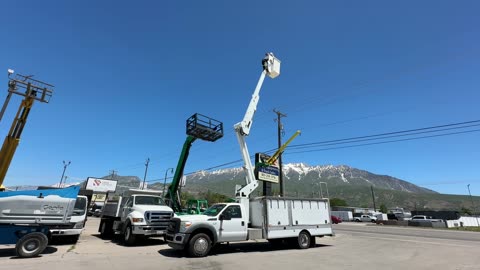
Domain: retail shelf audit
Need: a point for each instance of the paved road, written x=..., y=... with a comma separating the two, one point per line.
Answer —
x=354, y=247
x=363, y=229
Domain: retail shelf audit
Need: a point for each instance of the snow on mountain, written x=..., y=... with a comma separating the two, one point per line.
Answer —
x=303, y=174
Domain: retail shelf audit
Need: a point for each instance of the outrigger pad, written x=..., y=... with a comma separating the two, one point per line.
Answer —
x=204, y=128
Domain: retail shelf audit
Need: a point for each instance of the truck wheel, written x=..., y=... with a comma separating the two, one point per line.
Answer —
x=303, y=240
x=128, y=236
x=313, y=241
x=199, y=245
x=31, y=245
x=105, y=229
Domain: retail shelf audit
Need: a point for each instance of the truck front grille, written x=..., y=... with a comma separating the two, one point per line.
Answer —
x=158, y=218
x=174, y=226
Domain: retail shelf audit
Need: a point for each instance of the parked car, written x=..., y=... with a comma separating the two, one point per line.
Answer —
x=336, y=220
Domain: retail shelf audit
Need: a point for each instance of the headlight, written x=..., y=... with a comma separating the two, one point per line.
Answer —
x=184, y=225
x=137, y=220
x=78, y=225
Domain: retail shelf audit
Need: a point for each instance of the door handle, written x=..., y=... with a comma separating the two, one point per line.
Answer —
x=243, y=223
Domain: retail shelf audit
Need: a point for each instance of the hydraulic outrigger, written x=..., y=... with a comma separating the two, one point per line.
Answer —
x=198, y=127
x=33, y=90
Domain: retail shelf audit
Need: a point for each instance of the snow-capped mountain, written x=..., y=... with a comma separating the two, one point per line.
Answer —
x=299, y=174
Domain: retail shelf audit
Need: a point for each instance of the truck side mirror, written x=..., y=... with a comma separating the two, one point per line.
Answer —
x=224, y=217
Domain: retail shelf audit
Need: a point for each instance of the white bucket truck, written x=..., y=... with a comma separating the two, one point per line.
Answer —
x=296, y=221
x=135, y=214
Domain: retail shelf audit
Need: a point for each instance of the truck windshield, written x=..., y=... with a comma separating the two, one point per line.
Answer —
x=214, y=210
x=80, y=207
x=149, y=200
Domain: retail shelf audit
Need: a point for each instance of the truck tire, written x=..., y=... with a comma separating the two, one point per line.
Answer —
x=303, y=240
x=105, y=229
x=31, y=245
x=199, y=245
x=128, y=237
x=313, y=241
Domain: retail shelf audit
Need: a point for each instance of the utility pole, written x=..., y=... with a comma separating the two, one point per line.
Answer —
x=112, y=173
x=65, y=165
x=473, y=205
x=146, y=169
x=373, y=197
x=279, y=134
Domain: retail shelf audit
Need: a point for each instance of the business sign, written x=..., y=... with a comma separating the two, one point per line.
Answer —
x=264, y=171
x=101, y=185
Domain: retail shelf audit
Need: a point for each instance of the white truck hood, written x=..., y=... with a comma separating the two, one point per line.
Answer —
x=195, y=217
x=144, y=208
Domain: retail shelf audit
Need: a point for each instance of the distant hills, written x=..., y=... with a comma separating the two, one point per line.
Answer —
x=301, y=180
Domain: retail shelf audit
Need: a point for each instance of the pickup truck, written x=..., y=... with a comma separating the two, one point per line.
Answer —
x=365, y=218
x=296, y=222
x=136, y=214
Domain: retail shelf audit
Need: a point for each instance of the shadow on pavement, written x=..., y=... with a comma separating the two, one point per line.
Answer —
x=63, y=240
x=234, y=248
x=10, y=252
x=140, y=243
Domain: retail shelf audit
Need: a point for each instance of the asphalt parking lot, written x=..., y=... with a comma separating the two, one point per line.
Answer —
x=356, y=246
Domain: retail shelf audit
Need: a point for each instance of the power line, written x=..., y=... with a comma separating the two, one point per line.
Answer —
x=359, y=145
x=381, y=138
x=385, y=134
x=384, y=142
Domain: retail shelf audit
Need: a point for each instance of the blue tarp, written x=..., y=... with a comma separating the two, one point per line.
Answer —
x=70, y=192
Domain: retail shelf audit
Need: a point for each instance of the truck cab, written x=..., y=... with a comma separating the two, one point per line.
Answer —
x=223, y=222
x=137, y=213
x=77, y=221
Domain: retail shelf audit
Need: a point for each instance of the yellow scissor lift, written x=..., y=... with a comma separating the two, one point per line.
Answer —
x=31, y=90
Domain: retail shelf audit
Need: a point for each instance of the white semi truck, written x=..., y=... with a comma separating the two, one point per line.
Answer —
x=136, y=214
x=296, y=221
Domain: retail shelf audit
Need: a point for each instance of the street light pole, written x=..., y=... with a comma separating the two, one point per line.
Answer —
x=165, y=180
x=473, y=205
x=146, y=169
x=65, y=165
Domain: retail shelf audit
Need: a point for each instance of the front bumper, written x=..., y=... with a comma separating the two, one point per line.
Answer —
x=60, y=232
x=149, y=230
x=177, y=240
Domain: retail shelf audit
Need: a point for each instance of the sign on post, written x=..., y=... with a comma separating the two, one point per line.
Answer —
x=101, y=185
x=264, y=171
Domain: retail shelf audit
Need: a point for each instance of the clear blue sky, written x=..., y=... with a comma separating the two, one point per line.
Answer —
x=128, y=75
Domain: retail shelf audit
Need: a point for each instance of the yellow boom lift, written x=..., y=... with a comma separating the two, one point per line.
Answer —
x=31, y=90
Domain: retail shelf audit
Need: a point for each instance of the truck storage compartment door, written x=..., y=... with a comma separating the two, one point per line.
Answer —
x=277, y=212
x=309, y=212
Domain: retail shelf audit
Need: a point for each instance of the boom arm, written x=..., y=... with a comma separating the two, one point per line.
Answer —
x=13, y=138
x=173, y=188
x=280, y=150
x=271, y=67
